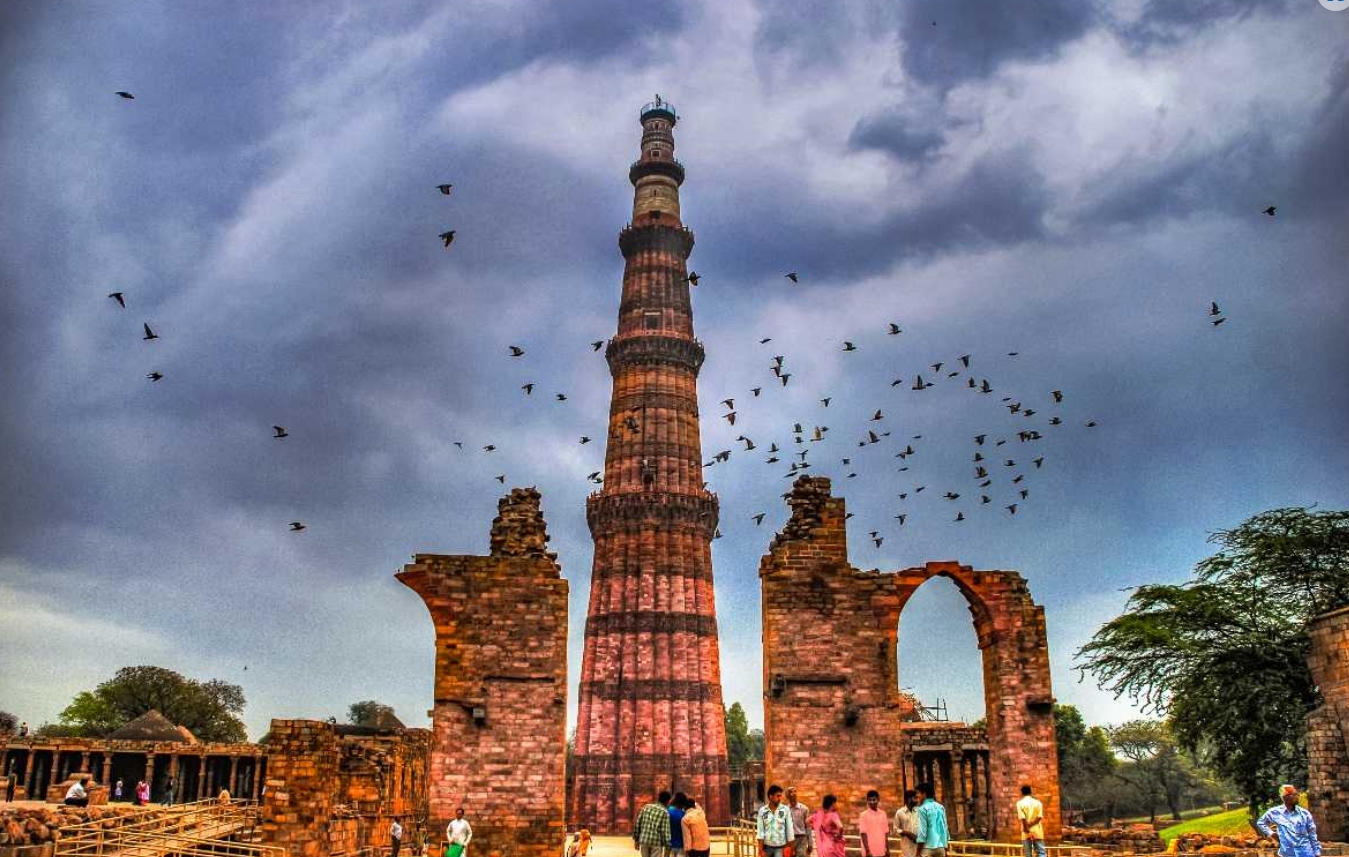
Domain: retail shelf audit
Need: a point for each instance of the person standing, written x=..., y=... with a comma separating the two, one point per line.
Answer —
x=651, y=831
x=11, y=783
x=142, y=793
x=23, y=729
x=117, y=791
x=1290, y=826
x=458, y=835
x=906, y=824
x=874, y=828
x=801, y=846
x=827, y=827
x=1031, y=813
x=773, y=825
x=676, y=812
x=395, y=837
x=933, y=834
x=169, y=791
x=697, y=836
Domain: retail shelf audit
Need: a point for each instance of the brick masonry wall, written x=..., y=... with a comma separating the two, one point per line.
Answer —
x=1328, y=726
x=498, y=742
x=833, y=713
x=302, y=782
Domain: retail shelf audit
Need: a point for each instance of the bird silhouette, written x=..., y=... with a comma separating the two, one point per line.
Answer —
x=730, y=418
x=594, y=477
x=1091, y=424
x=1058, y=396
x=894, y=329
x=1218, y=321
x=279, y=432
x=765, y=340
x=584, y=439
x=826, y=400
x=1012, y=508
x=756, y=391
x=296, y=526
x=1270, y=211
x=848, y=346
x=960, y=516
x=1038, y=461
x=447, y=237
x=130, y=96
x=489, y=448
x=562, y=397
x=597, y=345
x=117, y=296
x=784, y=376
x=965, y=359
x=951, y=495
x=729, y=403
x=528, y=388
x=758, y=519
x=901, y=518
x=444, y=188
x=920, y=384
x=936, y=367
x=878, y=540
x=154, y=376
x=877, y=416
x=517, y=351
x=501, y=479
x=149, y=334
x=792, y=276
x=1213, y=308
x=693, y=278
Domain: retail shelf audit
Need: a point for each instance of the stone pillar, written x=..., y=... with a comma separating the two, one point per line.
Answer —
x=498, y=744
x=959, y=796
x=1328, y=726
x=84, y=763
x=234, y=775
x=107, y=769
x=202, y=779
x=29, y=772
x=150, y=773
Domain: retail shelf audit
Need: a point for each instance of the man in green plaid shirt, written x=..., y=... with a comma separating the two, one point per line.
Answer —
x=651, y=832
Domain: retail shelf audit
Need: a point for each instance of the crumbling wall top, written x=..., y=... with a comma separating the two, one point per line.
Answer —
x=807, y=499
x=519, y=528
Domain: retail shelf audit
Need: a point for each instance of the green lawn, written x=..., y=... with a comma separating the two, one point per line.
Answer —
x=1230, y=823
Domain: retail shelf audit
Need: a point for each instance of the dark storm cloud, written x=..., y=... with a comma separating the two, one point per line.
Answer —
x=897, y=135
x=970, y=40
x=1320, y=185
x=809, y=34
x=1163, y=22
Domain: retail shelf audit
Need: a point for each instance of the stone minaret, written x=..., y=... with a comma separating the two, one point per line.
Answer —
x=650, y=715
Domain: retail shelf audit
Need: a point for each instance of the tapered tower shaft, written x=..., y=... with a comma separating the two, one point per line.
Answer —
x=650, y=714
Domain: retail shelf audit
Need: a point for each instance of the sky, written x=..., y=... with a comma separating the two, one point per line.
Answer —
x=1070, y=180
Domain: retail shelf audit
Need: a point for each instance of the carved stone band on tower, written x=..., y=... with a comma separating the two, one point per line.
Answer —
x=650, y=714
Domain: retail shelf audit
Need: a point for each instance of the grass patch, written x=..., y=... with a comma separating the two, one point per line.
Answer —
x=1230, y=823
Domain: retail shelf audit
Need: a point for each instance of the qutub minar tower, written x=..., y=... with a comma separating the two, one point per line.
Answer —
x=650, y=714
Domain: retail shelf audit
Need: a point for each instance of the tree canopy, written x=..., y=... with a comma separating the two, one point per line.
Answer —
x=367, y=712
x=1224, y=655
x=742, y=743
x=209, y=709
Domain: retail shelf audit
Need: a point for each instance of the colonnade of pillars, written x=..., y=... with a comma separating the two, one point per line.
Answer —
x=961, y=780
x=205, y=774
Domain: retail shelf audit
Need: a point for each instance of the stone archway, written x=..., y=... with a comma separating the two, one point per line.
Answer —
x=834, y=719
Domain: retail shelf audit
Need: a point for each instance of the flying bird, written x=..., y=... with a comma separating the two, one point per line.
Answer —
x=693, y=278
x=848, y=346
x=597, y=345
x=920, y=384
x=501, y=479
x=960, y=516
x=489, y=448
x=1012, y=508
x=1038, y=461
x=584, y=439
x=1213, y=308
x=936, y=367
x=965, y=359
x=894, y=329
x=1270, y=211
x=878, y=416
x=756, y=391
x=117, y=296
x=792, y=276
x=528, y=388
x=130, y=96
x=280, y=432
x=517, y=351
x=447, y=237
x=149, y=334
x=730, y=418
x=444, y=188
x=729, y=403
x=1218, y=321
x=1058, y=396
x=784, y=376
x=296, y=526
x=154, y=376
x=758, y=519
x=594, y=477
x=826, y=400
x=901, y=518
x=562, y=397
x=1091, y=423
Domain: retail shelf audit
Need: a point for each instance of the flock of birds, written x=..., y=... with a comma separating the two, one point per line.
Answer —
x=993, y=471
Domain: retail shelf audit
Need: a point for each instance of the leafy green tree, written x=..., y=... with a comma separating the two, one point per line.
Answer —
x=8, y=723
x=1224, y=656
x=742, y=744
x=1086, y=763
x=210, y=709
x=367, y=712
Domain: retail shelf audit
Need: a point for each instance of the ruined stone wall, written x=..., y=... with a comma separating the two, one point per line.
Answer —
x=1327, y=747
x=499, y=719
x=833, y=713
x=301, y=786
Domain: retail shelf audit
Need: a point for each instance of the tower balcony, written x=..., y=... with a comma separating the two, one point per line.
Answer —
x=654, y=350
x=611, y=513
x=654, y=236
x=671, y=169
x=663, y=109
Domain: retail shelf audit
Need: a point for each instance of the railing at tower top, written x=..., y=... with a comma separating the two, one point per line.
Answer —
x=661, y=105
x=199, y=829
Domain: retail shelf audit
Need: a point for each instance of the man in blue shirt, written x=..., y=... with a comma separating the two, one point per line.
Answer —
x=676, y=825
x=933, y=834
x=1291, y=826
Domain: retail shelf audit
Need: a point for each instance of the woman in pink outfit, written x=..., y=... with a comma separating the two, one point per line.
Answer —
x=828, y=828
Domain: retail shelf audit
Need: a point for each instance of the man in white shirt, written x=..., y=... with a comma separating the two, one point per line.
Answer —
x=1031, y=813
x=458, y=835
x=906, y=823
x=395, y=838
x=77, y=794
